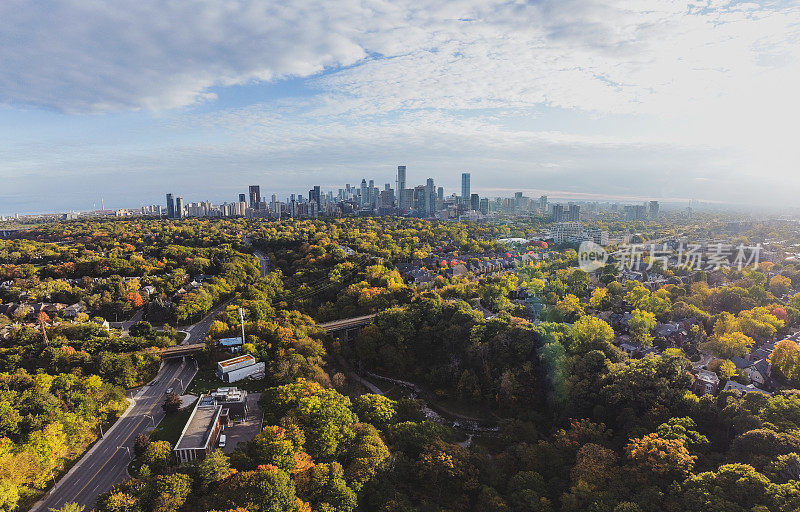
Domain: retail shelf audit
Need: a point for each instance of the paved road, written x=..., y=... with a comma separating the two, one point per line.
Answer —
x=264, y=260
x=197, y=332
x=106, y=463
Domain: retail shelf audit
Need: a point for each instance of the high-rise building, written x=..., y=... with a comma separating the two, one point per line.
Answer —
x=401, y=183
x=430, y=198
x=242, y=198
x=314, y=195
x=170, y=206
x=543, y=203
x=465, y=190
x=255, y=196
x=574, y=213
x=485, y=206
x=364, y=193
x=635, y=212
x=475, y=202
x=178, y=207
x=653, y=210
x=558, y=212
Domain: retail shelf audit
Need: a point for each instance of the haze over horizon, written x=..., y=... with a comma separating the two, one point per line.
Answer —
x=643, y=98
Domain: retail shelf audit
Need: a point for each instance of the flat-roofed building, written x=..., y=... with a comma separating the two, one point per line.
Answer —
x=238, y=368
x=234, y=400
x=201, y=432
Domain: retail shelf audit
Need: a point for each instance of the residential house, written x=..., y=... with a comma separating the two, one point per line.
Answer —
x=743, y=388
x=74, y=310
x=705, y=382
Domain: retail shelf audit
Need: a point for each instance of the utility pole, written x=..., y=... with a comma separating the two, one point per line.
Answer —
x=241, y=320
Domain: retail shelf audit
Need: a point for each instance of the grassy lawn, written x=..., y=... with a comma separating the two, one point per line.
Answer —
x=206, y=380
x=171, y=426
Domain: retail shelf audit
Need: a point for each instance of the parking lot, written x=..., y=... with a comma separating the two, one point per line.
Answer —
x=242, y=432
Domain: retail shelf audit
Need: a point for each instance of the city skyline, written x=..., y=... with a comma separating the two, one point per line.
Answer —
x=650, y=99
x=252, y=191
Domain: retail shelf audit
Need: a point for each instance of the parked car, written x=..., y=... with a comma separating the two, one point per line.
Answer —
x=170, y=390
x=222, y=440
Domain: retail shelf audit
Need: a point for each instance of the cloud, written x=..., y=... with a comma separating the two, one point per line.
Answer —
x=90, y=55
x=642, y=56
x=660, y=92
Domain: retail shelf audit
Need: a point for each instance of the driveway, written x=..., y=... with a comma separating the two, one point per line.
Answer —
x=248, y=429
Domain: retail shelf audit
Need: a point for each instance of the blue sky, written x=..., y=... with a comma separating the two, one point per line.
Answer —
x=619, y=98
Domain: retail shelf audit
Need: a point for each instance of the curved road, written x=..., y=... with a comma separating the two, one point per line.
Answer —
x=106, y=463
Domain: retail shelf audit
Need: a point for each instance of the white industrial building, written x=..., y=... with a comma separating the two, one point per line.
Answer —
x=238, y=368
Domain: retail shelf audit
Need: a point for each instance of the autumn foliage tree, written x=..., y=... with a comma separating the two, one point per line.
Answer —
x=134, y=299
x=785, y=360
x=659, y=456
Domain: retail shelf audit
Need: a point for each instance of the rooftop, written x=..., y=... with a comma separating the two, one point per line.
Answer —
x=235, y=360
x=197, y=430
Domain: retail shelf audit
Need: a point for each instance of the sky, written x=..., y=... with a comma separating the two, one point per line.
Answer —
x=624, y=99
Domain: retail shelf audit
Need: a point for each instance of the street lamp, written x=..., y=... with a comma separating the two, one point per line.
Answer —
x=127, y=450
x=151, y=419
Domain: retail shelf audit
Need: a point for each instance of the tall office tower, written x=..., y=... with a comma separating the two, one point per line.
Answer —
x=440, y=193
x=371, y=192
x=543, y=203
x=474, y=202
x=407, y=204
x=387, y=186
x=574, y=213
x=430, y=197
x=401, y=184
x=484, y=206
x=419, y=200
x=170, y=207
x=242, y=198
x=178, y=207
x=314, y=195
x=653, y=210
x=517, y=201
x=255, y=195
x=364, y=194
x=465, y=193
x=558, y=213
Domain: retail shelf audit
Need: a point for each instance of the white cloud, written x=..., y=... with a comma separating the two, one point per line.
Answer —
x=91, y=55
x=643, y=56
x=442, y=85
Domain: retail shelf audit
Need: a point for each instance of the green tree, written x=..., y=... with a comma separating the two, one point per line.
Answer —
x=641, y=324
x=157, y=456
x=172, y=403
x=364, y=455
x=168, y=493
x=726, y=346
x=69, y=507
x=590, y=333
x=213, y=468
x=375, y=409
x=9, y=495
